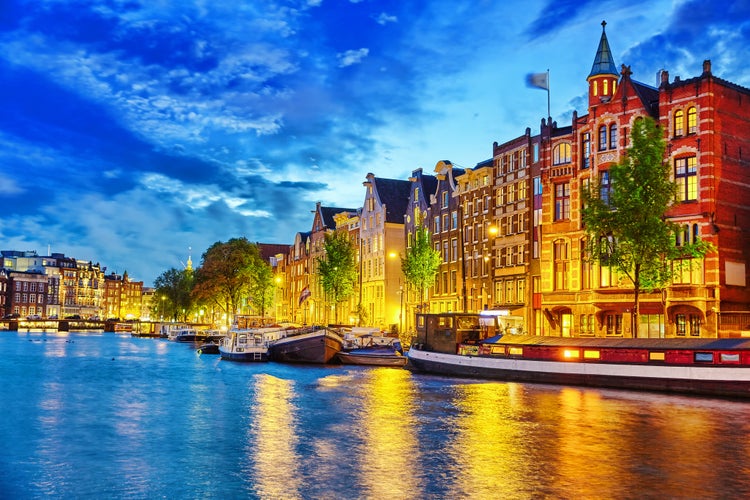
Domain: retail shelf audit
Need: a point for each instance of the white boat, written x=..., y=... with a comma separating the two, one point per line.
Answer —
x=250, y=344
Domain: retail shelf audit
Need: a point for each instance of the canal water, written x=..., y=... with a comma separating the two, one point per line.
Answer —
x=102, y=415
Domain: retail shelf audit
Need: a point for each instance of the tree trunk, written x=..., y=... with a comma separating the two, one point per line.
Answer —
x=636, y=301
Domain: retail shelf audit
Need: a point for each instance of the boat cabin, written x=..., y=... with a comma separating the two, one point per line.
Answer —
x=444, y=332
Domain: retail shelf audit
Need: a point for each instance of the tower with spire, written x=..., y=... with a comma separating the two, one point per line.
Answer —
x=603, y=77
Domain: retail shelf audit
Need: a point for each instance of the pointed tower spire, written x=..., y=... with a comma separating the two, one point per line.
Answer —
x=603, y=77
x=604, y=63
x=189, y=266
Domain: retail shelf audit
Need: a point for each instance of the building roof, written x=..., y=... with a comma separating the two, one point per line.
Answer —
x=604, y=63
x=394, y=194
x=268, y=250
x=327, y=214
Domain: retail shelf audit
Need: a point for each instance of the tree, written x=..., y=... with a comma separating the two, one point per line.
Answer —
x=338, y=268
x=173, y=292
x=225, y=274
x=626, y=226
x=261, y=287
x=421, y=263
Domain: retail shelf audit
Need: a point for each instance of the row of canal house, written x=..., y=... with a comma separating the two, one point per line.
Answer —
x=509, y=230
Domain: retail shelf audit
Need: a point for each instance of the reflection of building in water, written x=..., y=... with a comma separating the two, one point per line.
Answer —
x=488, y=451
x=273, y=456
x=391, y=451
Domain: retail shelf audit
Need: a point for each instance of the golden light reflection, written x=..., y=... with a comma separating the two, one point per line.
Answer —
x=391, y=451
x=274, y=439
x=488, y=451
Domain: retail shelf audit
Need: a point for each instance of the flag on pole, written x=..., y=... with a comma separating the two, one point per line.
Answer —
x=538, y=80
x=304, y=295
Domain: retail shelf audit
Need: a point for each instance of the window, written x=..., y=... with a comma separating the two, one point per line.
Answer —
x=535, y=153
x=509, y=289
x=454, y=250
x=561, y=154
x=437, y=225
x=602, y=138
x=445, y=199
x=585, y=150
x=521, y=290
x=561, y=265
x=692, y=120
x=614, y=324
x=605, y=187
x=501, y=196
x=522, y=188
x=454, y=219
x=679, y=123
x=445, y=222
x=685, y=174
x=613, y=136
x=562, y=201
x=511, y=193
x=680, y=323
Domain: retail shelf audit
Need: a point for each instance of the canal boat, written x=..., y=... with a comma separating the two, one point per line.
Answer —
x=307, y=345
x=477, y=346
x=210, y=347
x=371, y=348
x=249, y=344
x=189, y=334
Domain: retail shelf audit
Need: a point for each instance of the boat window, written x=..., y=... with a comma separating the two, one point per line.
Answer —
x=591, y=354
x=571, y=354
x=468, y=323
x=730, y=358
x=704, y=357
x=656, y=356
x=445, y=322
x=515, y=351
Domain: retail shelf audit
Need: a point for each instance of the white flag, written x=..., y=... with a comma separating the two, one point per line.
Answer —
x=538, y=80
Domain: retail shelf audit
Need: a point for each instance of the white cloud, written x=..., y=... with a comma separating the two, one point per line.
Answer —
x=352, y=57
x=384, y=19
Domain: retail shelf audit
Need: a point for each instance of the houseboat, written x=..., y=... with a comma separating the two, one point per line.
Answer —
x=486, y=346
x=307, y=345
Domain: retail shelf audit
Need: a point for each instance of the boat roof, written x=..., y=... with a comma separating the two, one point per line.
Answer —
x=622, y=343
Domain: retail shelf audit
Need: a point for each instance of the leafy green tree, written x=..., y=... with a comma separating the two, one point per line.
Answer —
x=225, y=274
x=338, y=268
x=421, y=263
x=173, y=293
x=262, y=287
x=626, y=226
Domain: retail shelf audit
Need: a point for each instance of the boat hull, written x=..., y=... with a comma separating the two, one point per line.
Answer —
x=320, y=347
x=251, y=354
x=371, y=358
x=704, y=380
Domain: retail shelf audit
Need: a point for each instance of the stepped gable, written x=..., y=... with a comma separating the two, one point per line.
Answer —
x=395, y=195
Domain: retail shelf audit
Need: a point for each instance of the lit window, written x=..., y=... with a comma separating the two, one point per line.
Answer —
x=561, y=154
x=692, y=120
x=561, y=265
x=605, y=186
x=586, y=150
x=613, y=136
x=562, y=201
x=679, y=123
x=685, y=173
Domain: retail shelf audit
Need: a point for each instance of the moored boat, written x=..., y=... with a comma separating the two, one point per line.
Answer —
x=250, y=344
x=190, y=334
x=208, y=348
x=369, y=347
x=715, y=367
x=308, y=345
x=373, y=356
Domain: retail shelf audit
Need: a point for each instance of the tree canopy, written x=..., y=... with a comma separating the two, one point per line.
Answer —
x=421, y=262
x=173, y=293
x=338, y=268
x=226, y=274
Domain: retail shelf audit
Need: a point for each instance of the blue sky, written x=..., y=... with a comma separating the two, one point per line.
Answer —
x=131, y=131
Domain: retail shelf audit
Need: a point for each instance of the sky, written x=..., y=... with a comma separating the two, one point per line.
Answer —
x=137, y=133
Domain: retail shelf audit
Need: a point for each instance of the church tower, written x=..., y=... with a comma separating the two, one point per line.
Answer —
x=603, y=77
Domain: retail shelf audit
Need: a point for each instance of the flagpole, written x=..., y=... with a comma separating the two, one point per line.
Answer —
x=549, y=114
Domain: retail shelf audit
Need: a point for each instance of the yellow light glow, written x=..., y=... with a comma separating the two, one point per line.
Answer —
x=591, y=355
x=571, y=354
x=515, y=351
x=656, y=356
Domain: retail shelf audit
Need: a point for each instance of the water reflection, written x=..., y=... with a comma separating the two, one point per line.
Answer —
x=273, y=439
x=390, y=451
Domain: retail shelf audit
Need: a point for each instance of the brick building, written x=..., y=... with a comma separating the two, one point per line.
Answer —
x=705, y=121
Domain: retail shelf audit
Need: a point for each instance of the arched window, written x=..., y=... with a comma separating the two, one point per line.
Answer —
x=602, y=138
x=561, y=154
x=692, y=120
x=679, y=123
x=613, y=136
